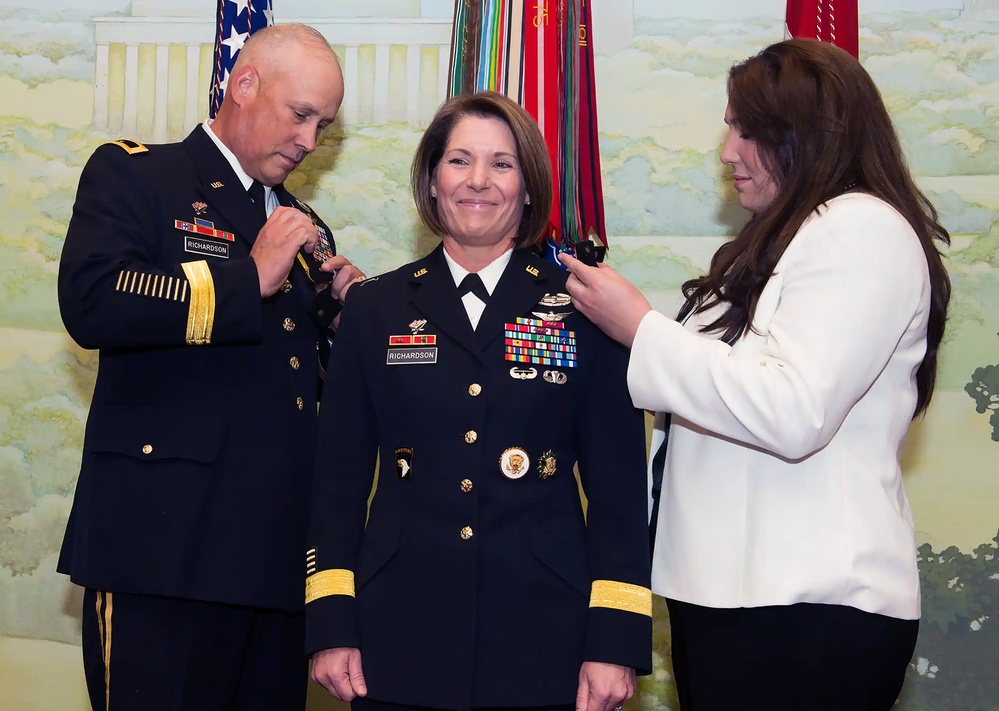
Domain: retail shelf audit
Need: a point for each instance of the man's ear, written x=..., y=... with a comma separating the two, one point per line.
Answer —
x=243, y=83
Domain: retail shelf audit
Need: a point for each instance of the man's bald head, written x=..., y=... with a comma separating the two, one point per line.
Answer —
x=284, y=89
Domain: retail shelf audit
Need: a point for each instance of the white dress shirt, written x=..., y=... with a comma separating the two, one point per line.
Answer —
x=490, y=276
x=782, y=481
x=271, y=202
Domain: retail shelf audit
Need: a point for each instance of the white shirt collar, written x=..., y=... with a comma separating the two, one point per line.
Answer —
x=489, y=274
x=243, y=176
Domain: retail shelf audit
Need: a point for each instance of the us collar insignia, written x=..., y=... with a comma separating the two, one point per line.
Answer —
x=417, y=325
x=420, y=273
x=533, y=271
x=200, y=208
x=555, y=300
x=216, y=184
x=547, y=464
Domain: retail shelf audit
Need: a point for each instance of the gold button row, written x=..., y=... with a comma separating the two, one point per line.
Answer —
x=474, y=389
x=471, y=436
x=289, y=325
x=147, y=449
x=300, y=402
x=295, y=363
x=466, y=486
x=466, y=533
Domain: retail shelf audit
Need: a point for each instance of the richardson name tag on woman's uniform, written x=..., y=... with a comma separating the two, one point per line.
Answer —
x=411, y=350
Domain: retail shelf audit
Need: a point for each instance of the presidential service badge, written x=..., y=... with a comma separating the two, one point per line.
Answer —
x=514, y=463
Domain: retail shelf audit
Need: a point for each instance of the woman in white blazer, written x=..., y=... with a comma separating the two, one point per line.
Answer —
x=785, y=544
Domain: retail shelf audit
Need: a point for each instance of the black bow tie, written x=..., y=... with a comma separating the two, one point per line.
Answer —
x=472, y=283
x=256, y=193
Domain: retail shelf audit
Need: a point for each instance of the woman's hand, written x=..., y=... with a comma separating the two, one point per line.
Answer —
x=606, y=298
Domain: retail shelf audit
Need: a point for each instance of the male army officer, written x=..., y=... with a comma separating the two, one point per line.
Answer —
x=189, y=517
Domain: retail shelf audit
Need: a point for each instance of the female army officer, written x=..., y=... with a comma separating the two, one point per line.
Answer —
x=475, y=581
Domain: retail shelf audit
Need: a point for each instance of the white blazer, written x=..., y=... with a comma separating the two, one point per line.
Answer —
x=782, y=481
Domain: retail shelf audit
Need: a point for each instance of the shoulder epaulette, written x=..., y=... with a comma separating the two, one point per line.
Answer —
x=129, y=146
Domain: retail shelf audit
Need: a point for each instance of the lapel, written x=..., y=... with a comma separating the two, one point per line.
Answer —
x=517, y=291
x=230, y=200
x=432, y=291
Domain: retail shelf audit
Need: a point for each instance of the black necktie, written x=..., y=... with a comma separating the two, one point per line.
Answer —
x=472, y=283
x=256, y=193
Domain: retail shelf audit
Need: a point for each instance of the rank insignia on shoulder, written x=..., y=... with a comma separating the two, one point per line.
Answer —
x=523, y=373
x=514, y=463
x=129, y=146
x=403, y=462
x=555, y=300
x=547, y=464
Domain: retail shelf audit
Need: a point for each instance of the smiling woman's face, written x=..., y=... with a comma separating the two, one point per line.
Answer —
x=478, y=184
x=756, y=186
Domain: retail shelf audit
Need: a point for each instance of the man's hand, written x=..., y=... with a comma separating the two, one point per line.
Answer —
x=286, y=231
x=346, y=275
x=338, y=670
x=606, y=298
x=604, y=687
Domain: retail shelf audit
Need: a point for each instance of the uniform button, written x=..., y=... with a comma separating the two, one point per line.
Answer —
x=466, y=485
x=295, y=363
x=474, y=389
x=471, y=436
x=286, y=287
x=147, y=449
x=289, y=325
x=300, y=402
x=466, y=533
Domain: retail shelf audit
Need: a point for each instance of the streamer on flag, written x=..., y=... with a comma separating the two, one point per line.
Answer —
x=540, y=54
x=235, y=21
x=832, y=21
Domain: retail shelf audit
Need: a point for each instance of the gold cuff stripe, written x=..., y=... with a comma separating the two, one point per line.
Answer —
x=329, y=582
x=104, y=631
x=621, y=596
x=201, y=312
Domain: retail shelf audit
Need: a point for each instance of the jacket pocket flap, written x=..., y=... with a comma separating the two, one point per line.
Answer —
x=564, y=558
x=154, y=433
x=377, y=549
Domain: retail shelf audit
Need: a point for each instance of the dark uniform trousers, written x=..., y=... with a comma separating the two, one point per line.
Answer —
x=475, y=581
x=189, y=515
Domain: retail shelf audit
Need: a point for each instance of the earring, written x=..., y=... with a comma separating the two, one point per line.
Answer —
x=527, y=200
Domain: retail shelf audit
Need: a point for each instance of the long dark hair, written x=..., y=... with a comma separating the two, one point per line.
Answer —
x=820, y=128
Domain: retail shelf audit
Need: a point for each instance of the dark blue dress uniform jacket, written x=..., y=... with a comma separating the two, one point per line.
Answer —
x=200, y=440
x=466, y=588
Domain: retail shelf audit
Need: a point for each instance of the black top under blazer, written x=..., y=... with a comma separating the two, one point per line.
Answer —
x=466, y=588
x=199, y=445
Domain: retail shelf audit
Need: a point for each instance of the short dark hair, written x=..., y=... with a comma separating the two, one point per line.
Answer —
x=820, y=129
x=532, y=154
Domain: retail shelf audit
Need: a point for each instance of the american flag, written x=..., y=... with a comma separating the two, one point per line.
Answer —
x=236, y=21
x=833, y=21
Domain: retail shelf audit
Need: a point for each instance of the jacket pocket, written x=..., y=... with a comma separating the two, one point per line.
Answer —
x=154, y=433
x=377, y=549
x=563, y=555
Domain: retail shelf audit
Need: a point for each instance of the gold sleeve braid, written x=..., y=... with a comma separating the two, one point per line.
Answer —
x=201, y=313
x=329, y=582
x=621, y=596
